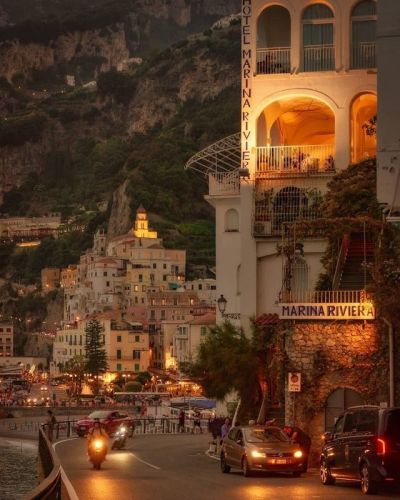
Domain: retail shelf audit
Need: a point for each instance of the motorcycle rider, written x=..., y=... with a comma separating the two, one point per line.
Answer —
x=97, y=432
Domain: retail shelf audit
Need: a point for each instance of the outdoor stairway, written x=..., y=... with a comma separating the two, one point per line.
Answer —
x=352, y=276
x=278, y=414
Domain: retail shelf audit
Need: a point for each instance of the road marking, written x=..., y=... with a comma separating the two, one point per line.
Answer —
x=144, y=462
x=211, y=456
x=63, y=441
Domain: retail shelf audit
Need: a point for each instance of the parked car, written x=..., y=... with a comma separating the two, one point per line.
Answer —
x=365, y=446
x=111, y=420
x=260, y=449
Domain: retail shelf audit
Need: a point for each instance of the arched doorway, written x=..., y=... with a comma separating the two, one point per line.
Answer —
x=338, y=401
x=273, y=41
x=363, y=134
x=296, y=133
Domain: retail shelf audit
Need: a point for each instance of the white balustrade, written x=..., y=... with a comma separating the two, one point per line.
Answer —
x=364, y=55
x=291, y=159
x=325, y=297
x=224, y=183
x=318, y=58
x=273, y=61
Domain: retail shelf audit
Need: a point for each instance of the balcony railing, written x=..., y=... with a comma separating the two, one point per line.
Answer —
x=273, y=61
x=224, y=183
x=363, y=55
x=312, y=159
x=319, y=58
x=324, y=297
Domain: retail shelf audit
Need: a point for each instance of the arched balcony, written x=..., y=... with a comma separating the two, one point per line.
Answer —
x=363, y=35
x=363, y=132
x=273, y=41
x=296, y=135
x=318, y=38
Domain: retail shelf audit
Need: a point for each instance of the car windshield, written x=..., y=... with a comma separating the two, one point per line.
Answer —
x=99, y=414
x=272, y=435
x=393, y=425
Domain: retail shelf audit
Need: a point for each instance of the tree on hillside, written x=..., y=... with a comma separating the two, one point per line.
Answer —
x=96, y=357
x=76, y=366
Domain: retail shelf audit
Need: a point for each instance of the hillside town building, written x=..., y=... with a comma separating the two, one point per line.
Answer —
x=6, y=339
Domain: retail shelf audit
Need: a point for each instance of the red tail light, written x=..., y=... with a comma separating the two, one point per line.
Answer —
x=381, y=446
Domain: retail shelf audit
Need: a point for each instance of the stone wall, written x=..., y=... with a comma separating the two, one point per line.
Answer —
x=329, y=356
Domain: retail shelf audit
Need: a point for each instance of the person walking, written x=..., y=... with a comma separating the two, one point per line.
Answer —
x=181, y=424
x=51, y=422
x=225, y=428
x=299, y=437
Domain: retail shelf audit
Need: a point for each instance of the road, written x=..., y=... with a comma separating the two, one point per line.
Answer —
x=175, y=467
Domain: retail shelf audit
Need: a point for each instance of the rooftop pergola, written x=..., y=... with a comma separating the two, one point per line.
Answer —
x=222, y=156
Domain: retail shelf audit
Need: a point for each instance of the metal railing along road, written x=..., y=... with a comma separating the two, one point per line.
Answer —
x=50, y=487
x=273, y=61
x=318, y=58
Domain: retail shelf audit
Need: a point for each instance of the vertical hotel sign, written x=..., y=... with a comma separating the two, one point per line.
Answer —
x=247, y=14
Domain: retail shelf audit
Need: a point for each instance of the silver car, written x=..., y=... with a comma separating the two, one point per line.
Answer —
x=260, y=449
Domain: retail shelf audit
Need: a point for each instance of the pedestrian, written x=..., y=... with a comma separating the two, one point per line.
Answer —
x=225, y=428
x=51, y=422
x=181, y=425
x=303, y=440
x=197, y=424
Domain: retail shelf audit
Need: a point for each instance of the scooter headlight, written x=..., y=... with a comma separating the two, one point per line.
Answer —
x=98, y=445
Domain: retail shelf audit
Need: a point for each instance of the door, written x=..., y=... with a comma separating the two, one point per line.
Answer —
x=228, y=445
x=365, y=426
x=334, y=448
x=238, y=448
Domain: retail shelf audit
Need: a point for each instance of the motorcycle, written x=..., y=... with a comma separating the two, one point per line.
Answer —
x=97, y=450
x=119, y=438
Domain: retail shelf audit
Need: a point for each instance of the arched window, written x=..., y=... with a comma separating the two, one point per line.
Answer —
x=338, y=401
x=363, y=35
x=231, y=220
x=273, y=41
x=318, y=38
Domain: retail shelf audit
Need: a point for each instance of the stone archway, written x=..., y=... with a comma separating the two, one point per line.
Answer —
x=338, y=401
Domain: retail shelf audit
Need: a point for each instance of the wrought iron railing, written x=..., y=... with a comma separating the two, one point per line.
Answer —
x=306, y=159
x=363, y=55
x=271, y=61
x=318, y=58
x=324, y=297
x=340, y=262
x=224, y=183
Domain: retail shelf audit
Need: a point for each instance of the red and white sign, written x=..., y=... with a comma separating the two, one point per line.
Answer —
x=294, y=382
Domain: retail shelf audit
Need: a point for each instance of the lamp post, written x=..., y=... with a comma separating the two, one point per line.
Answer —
x=222, y=304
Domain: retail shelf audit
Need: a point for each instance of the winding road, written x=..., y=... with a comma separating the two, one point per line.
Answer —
x=175, y=467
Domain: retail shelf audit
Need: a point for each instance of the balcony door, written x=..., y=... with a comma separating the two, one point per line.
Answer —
x=318, y=38
x=363, y=35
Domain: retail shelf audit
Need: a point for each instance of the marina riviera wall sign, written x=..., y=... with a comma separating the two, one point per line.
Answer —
x=247, y=14
x=333, y=312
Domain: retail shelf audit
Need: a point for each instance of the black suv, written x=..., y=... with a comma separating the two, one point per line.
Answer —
x=364, y=445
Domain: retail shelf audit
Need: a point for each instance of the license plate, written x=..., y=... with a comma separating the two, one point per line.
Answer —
x=82, y=428
x=281, y=461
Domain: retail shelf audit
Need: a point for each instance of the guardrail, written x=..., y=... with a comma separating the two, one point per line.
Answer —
x=50, y=487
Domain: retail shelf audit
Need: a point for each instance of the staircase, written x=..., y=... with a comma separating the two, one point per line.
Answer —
x=278, y=414
x=352, y=275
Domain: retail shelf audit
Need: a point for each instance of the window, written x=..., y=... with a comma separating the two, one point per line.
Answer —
x=119, y=367
x=137, y=338
x=118, y=353
x=349, y=422
x=318, y=38
x=154, y=265
x=119, y=338
x=231, y=220
x=137, y=367
x=104, y=273
x=200, y=286
x=338, y=429
x=164, y=266
x=136, y=300
x=136, y=354
x=363, y=35
x=367, y=421
x=136, y=288
x=140, y=278
x=152, y=314
x=164, y=277
x=203, y=331
x=107, y=283
x=162, y=314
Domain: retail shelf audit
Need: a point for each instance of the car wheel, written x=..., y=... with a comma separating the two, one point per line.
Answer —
x=325, y=473
x=246, y=468
x=225, y=469
x=368, y=485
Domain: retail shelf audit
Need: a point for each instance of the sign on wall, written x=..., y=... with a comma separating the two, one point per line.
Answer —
x=333, y=311
x=294, y=382
x=247, y=13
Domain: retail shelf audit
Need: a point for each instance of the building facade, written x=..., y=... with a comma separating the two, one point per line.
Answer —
x=6, y=340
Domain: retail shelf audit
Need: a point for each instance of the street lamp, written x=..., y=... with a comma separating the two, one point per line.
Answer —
x=222, y=304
